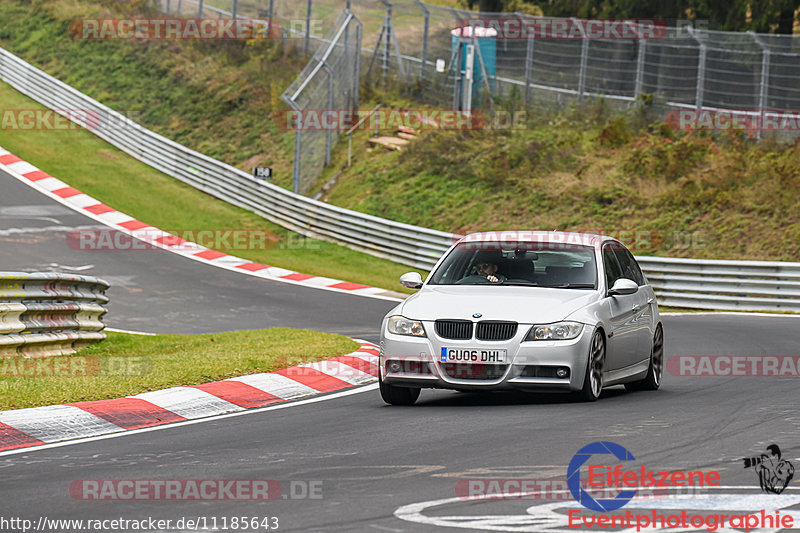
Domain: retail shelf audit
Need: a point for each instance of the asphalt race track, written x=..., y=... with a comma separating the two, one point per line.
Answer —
x=360, y=459
x=158, y=291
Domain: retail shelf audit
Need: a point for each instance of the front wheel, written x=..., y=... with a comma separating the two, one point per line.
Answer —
x=593, y=380
x=394, y=395
x=656, y=368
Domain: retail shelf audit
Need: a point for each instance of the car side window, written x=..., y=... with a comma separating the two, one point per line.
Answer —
x=611, y=266
x=640, y=279
x=628, y=264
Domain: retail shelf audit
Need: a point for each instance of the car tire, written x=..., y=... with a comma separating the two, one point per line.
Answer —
x=655, y=370
x=593, y=379
x=394, y=395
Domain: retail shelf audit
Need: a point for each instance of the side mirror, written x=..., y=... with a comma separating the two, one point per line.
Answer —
x=412, y=280
x=623, y=286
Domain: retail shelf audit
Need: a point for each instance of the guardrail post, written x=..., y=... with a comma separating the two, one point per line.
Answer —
x=763, y=91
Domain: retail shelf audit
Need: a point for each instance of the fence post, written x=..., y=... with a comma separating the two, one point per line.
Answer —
x=308, y=27
x=180, y=6
x=701, y=70
x=235, y=6
x=357, y=59
x=167, y=7
x=424, y=40
x=640, y=53
x=200, y=9
x=763, y=92
x=528, y=64
x=269, y=18
x=329, y=131
x=387, y=49
x=584, y=59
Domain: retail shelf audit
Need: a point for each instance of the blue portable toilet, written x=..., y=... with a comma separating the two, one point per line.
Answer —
x=487, y=43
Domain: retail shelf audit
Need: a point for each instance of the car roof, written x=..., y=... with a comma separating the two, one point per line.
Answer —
x=565, y=237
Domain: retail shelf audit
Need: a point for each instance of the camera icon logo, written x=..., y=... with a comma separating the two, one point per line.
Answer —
x=774, y=473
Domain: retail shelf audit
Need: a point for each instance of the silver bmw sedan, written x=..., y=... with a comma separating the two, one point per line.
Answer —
x=534, y=311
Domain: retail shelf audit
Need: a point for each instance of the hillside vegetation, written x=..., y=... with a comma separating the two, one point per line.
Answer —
x=662, y=191
x=583, y=168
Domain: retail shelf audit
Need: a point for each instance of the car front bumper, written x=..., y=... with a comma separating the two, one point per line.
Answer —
x=531, y=366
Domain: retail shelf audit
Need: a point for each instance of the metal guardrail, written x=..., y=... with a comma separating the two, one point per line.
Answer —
x=691, y=283
x=724, y=285
x=46, y=313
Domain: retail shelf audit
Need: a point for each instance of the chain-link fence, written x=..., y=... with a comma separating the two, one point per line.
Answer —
x=325, y=91
x=418, y=44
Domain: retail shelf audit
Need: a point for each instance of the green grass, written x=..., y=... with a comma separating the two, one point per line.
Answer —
x=126, y=364
x=661, y=191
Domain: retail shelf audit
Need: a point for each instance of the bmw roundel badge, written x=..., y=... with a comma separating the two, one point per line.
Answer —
x=476, y=315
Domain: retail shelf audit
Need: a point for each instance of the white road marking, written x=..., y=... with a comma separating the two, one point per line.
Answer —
x=544, y=518
x=45, y=229
x=129, y=332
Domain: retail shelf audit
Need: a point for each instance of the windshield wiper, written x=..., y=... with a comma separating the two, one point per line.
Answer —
x=573, y=286
x=521, y=283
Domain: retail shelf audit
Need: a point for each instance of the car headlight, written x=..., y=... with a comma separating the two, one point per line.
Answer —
x=400, y=325
x=560, y=331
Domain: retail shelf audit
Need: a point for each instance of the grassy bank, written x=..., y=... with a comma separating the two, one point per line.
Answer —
x=662, y=191
x=125, y=364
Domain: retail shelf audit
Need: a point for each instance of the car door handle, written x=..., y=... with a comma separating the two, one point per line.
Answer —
x=635, y=307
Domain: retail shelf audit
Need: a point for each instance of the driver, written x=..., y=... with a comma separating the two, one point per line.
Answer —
x=486, y=265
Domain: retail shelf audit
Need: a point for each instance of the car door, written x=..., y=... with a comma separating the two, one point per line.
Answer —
x=622, y=336
x=642, y=304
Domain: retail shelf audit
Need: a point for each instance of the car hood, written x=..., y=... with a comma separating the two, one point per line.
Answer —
x=526, y=305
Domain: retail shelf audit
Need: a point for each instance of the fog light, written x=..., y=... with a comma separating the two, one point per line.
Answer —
x=562, y=372
x=394, y=366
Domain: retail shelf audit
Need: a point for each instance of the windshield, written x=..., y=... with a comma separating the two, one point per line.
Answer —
x=535, y=264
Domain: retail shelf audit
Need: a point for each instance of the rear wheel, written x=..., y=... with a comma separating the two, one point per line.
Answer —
x=593, y=380
x=656, y=368
x=394, y=395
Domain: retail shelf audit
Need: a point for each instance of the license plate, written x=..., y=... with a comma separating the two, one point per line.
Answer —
x=472, y=355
